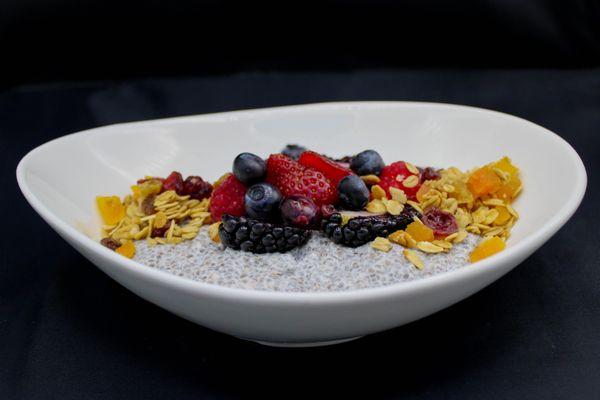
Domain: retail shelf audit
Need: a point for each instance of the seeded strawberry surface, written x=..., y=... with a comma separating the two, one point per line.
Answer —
x=331, y=169
x=394, y=175
x=228, y=198
x=293, y=178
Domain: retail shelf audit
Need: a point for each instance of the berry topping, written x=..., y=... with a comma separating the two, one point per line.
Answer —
x=328, y=210
x=291, y=178
x=262, y=201
x=174, y=182
x=227, y=198
x=429, y=174
x=247, y=234
x=401, y=175
x=249, y=168
x=300, y=211
x=293, y=151
x=331, y=169
x=367, y=162
x=353, y=192
x=196, y=187
x=363, y=229
x=441, y=222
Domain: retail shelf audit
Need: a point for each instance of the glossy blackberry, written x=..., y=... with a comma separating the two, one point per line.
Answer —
x=241, y=233
x=364, y=229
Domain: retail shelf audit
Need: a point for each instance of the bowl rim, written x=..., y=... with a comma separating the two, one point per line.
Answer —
x=511, y=254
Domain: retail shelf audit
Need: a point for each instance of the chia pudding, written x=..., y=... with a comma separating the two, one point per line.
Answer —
x=300, y=221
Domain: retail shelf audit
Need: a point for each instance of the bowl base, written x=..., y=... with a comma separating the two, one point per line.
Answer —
x=304, y=344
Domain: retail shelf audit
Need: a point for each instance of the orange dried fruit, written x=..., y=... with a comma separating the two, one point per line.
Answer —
x=503, y=215
x=127, y=249
x=487, y=248
x=420, y=232
x=483, y=181
x=111, y=209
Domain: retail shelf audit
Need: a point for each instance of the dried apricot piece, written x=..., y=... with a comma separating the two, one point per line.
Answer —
x=483, y=181
x=127, y=249
x=487, y=248
x=111, y=209
x=506, y=165
x=510, y=189
x=420, y=232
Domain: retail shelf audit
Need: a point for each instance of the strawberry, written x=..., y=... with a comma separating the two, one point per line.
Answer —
x=395, y=175
x=291, y=177
x=331, y=169
x=227, y=198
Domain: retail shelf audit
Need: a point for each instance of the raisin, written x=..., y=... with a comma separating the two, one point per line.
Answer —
x=443, y=223
x=174, y=182
x=429, y=174
x=148, y=205
x=160, y=232
x=110, y=243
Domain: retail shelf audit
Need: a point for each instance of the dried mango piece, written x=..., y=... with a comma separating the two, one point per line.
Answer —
x=420, y=232
x=127, y=249
x=503, y=215
x=487, y=248
x=111, y=209
x=483, y=181
x=506, y=165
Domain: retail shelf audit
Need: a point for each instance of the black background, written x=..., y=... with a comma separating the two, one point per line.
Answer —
x=69, y=332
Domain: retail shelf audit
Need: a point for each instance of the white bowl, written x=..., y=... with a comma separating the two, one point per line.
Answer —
x=60, y=179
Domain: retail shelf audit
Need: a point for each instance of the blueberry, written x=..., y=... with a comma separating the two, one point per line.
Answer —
x=249, y=168
x=293, y=151
x=354, y=194
x=262, y=202
x=367, y=162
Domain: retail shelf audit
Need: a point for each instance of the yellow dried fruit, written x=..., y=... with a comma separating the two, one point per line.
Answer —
x=127, y=249
x=111, y=209
x=506, y=165
x=483, y=181
x=503, y=215
x=420, y=232
x=487, y=248
x=213, y=232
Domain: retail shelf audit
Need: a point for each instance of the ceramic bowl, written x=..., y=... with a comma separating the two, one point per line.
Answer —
x=60, y=180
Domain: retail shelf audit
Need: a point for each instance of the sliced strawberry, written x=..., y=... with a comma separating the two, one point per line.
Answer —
x=396, y=175
x=291, y=177
x=332, y=170
x=227, y=198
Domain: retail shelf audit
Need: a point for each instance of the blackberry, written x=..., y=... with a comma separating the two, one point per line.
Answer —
x=364, y=229
x=246, y=234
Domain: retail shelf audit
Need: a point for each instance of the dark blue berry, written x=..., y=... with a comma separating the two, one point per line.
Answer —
x=300, y=211
x=249, y=168
x=367, y=162
x=262, y=202
x=354, y=194
x=293, y=151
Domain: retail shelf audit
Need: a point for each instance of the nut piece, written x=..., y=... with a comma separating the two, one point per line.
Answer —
x=381, y=244
x=411, y=168
x=213, y=232
x=378, y=192
x=411, y=181
x=414, y=258
x=429, y=247
x=370, y=179
x=443, y=244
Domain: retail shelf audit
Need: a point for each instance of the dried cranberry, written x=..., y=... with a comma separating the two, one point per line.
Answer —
x=197, y=188
x=174, y=182
x=110, y=243
x=300, y=211
x=328, y=210
x=160, y=232
x=443, y=223
x=429, y=174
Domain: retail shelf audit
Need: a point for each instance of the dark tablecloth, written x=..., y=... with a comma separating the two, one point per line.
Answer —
x=67, y=331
